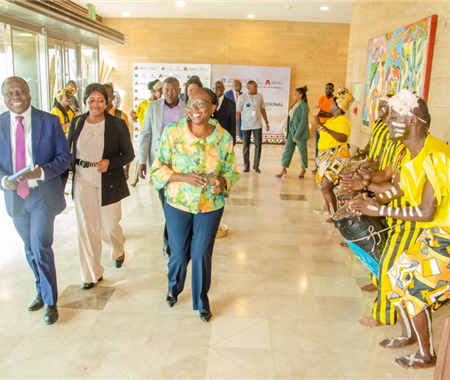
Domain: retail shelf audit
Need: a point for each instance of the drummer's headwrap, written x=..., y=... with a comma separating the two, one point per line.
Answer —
x=344, y=98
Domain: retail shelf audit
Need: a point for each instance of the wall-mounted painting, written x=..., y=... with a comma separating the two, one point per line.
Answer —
x=397, y=60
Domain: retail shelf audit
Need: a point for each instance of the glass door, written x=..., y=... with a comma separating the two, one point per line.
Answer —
x=55, y=67
x=26, y=59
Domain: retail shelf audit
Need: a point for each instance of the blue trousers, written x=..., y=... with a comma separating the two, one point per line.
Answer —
x=35, y=226
x=191, y=237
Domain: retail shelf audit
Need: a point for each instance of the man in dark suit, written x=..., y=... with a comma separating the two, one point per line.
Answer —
x=233, y=95
x=225, y=111
x=32, y=137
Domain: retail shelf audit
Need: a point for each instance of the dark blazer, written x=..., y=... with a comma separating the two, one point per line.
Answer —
x=118, y=150
x=226, y=116
x=298, y=126
x=50, y=152
x=230, y=95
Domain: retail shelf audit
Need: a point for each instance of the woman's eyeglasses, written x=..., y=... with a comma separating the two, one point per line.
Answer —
x=199, y=103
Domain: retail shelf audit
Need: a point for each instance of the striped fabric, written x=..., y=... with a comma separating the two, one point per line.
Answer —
x=378, y=139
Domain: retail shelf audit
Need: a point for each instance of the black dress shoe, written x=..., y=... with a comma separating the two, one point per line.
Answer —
x=205, y=317
x=90, y=285
x=36, y=304
x=246, y=170
x=119, y=263
x=170, y=300
x=167, y=252
x=257, y=170
x=51, y=314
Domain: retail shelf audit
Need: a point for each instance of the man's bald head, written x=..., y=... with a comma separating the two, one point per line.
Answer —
x=13, y=78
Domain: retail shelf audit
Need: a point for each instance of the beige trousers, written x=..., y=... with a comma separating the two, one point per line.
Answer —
x=95, y=222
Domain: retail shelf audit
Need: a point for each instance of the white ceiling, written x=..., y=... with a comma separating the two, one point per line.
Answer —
x=309, y=11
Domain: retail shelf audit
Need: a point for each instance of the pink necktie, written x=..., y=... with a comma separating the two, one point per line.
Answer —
x=21, y=162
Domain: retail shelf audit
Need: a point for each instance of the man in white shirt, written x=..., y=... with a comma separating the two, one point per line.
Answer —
x=253, y=109
x=30, y=137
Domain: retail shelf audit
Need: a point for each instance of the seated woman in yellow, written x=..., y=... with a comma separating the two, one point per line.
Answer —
x=62, y=107
x=420, y=277
x=334, y=150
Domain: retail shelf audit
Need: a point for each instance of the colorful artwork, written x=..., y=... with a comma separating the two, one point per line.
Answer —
x=397, y=60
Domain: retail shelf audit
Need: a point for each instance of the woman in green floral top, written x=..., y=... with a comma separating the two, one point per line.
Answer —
x=197, y=167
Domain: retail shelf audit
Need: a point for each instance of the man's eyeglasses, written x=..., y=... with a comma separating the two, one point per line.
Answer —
x=199, y=103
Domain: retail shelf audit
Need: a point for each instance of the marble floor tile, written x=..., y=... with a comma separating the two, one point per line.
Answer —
x=240, y=333
x=284, y=296
x=93, y=299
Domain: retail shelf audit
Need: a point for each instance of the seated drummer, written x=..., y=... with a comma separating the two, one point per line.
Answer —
x=420, y=276
x=379, y=138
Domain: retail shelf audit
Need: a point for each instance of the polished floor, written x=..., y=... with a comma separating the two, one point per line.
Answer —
x=285, y=298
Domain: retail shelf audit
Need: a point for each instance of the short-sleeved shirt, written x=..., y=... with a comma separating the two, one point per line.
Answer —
x=325, y=104
x=338, y=124
x=246, y=105
x=180, y=151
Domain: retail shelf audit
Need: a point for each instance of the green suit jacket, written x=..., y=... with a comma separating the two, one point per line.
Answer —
x=298, y=126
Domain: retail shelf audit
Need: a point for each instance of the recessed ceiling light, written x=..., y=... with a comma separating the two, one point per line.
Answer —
x=251, y=16
x=25, y=35
x=126, y=14
x=324, y=8
x=181, y=4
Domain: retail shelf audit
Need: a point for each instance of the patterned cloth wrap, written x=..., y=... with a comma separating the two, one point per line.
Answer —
x=420, y=277
x=331, y=163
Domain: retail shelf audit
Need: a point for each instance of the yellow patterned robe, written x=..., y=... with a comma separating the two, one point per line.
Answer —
x=420, y=278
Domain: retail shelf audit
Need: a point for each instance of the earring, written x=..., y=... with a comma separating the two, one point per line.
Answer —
x=188, y=119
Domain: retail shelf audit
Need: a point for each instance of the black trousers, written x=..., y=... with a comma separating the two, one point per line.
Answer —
x=162, y=198
x=257, y=138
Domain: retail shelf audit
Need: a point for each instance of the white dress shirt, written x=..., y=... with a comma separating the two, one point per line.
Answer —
x=28, y=144
x=236, y=96
x=219, y=102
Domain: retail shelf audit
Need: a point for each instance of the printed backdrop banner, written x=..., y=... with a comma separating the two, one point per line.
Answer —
x=273, y=84
x=146, y=72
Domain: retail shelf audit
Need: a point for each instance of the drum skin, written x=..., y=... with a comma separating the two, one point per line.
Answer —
x=354, y=228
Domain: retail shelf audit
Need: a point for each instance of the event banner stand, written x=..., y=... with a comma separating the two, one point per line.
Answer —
x=146, y=72
x=273, y=84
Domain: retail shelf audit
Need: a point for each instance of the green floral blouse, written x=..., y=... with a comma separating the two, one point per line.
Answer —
x=181, y=152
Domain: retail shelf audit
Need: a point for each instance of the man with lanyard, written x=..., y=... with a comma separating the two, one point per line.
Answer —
x=252, y=107
x=160, y=113
x=324, y=102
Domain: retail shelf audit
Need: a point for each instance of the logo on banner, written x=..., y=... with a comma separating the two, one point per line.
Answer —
x=188, y=76
x=136, y=99
x=163, y=68
x=135, y=67
x=223, y=80
x=184, y=84
x=267, y=82
x=136, y=75
x=160, y=76
x=185, y=69
x=135, y=83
